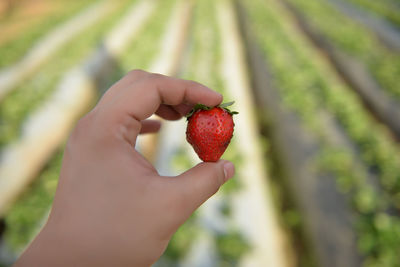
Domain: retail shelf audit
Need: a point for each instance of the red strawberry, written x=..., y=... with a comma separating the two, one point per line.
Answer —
x=210, y=130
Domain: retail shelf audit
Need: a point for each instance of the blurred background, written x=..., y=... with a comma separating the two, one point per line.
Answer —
x=316, y=144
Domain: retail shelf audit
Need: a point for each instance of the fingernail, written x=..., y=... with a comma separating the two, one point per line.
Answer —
x=229, y=170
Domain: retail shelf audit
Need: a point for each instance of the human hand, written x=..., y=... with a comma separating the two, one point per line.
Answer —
x=111, y=207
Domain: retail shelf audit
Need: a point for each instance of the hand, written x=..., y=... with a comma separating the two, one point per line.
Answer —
x=111, y=207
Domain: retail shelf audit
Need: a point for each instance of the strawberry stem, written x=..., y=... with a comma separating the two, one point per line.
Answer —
x=224, y=105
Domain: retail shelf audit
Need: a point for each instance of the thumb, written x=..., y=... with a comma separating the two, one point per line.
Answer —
x=201, y=182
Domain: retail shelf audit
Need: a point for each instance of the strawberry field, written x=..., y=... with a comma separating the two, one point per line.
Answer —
x=316, y=141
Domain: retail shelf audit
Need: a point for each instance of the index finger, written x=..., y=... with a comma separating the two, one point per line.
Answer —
x=141, y=99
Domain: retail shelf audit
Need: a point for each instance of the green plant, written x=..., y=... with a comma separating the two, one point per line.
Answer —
x=386, y=9
x=14, y=48
x=34, y=91
x=355, y=40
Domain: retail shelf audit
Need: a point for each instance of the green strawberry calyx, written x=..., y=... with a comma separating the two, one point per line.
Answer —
x=204, y=107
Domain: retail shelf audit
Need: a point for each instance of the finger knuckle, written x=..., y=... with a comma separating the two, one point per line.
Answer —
x=194, y=84
x=215, y=185
x=155, y=78
x=221, y=176
x=136, y=73
x=216, y=177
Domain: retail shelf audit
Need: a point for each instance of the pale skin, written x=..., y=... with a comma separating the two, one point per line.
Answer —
x=111, y=207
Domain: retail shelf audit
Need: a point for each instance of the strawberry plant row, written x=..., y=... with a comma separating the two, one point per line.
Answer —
x=44, y=49
x=15, y=47
x=29, y=95
x=297, y=147
x=382, y=106
x=307, y=88
x=386, y=33
x=378, y=149
x=142, y=52
x=355, y=41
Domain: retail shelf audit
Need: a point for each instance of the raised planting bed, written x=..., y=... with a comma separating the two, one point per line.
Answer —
x=31, y=94
x=309, y=89
x=381, y=105
x=386, y=33
x=44, y=49
x=143, y=53
x=387, y=9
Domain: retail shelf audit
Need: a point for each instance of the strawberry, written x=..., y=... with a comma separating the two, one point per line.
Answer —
x=210, y=130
